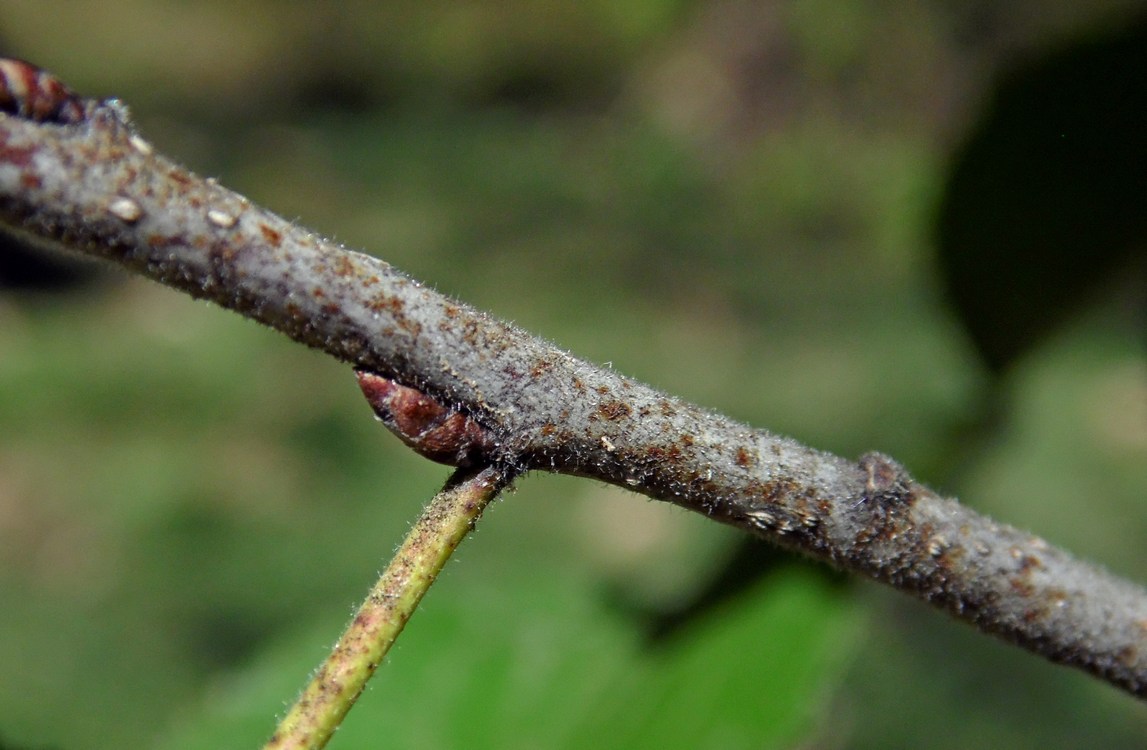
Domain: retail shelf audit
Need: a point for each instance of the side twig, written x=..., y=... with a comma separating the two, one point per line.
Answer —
x=85, y=180
x=339, y=681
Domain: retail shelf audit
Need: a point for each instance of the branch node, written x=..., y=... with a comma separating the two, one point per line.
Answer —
x=885, y=481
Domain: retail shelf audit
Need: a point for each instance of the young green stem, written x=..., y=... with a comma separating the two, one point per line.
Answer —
x=339, y=681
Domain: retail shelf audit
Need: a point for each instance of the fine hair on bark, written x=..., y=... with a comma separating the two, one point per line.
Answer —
x=81, y=177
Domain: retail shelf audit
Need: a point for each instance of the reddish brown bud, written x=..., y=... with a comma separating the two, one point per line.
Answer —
x=433, y=430
x=34, y=94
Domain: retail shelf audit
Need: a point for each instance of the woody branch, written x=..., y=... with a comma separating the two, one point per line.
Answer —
x=90, y=183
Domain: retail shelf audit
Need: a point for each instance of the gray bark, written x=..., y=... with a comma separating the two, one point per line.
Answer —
x=98, y=188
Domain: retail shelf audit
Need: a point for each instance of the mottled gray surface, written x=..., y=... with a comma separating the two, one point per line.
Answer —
x=98, y=188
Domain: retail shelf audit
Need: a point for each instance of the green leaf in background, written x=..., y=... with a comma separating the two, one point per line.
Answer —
x=537, y=660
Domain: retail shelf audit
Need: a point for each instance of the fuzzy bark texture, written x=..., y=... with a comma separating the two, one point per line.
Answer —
x=97, y=187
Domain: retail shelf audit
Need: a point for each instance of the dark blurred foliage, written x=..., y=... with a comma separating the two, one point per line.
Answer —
x=1044, y=206
x=27, y=268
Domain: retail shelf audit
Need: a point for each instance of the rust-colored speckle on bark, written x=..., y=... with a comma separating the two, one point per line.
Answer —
x=1028, y=562
x=743, y=458
x=613, y=410
x=396, y=308
x=20, y=156
x=386, y=303
x=413, y=327
x=772, y=492
x=663, y=455
x=471, y=335
x=272, y=237
x=344, y=266
x=1023, y=588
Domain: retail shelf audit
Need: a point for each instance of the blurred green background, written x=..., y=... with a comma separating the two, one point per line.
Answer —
x=737, y=202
